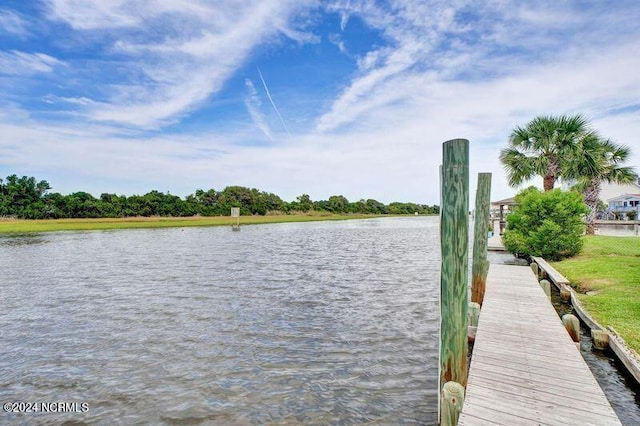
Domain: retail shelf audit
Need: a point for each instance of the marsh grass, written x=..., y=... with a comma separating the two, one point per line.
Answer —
x=52, y=225
x=607, y=275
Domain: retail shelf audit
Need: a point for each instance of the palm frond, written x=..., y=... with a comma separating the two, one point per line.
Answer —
x=518, y=166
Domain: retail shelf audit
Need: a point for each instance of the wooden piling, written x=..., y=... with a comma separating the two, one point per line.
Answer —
x=480, y=266
x=600, y=339
x=451, y=402
x=535, y=269
x=565, y=293
x=546, y=286
x=235, y=212
x=474, y=314
x=572, y=324
x=454, y=244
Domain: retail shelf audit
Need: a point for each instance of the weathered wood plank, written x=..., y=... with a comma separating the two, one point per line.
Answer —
x=588, y=406
x=490, y=416
x=546, y=413
x=525, y=368
x=552, y=391
x=537, y=381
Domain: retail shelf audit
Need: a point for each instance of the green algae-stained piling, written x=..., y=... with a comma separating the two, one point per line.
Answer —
x=454, y=245
x=480, y=240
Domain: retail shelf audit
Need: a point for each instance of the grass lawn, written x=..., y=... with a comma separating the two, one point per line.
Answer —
x=610, y=268
x=49, y=225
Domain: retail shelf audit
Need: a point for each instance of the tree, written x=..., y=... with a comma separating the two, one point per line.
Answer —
x=596, y=161
x=28, y=198
x=338, y=203
x=543, y=148
x=304, y=202
x=546, y=224
x=22, y=197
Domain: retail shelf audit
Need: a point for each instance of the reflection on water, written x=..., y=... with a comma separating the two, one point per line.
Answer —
x=288, y=323
x=19, y=239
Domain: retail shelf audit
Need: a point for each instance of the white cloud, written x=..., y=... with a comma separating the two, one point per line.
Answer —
x=460, y=41
x=94, y=14
x=253, y=104
x=200, y=46
x=438, y=76
x=12, y=23
x=21, y=63
x=339, y=43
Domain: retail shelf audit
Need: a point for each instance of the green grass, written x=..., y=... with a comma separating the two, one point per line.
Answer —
x=52, y=225
x=610, y=268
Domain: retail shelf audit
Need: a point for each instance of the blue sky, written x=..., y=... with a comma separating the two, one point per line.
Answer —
x=323, y=97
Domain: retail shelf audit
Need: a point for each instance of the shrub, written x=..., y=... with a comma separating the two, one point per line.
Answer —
x=631, y=215
x=548, y=224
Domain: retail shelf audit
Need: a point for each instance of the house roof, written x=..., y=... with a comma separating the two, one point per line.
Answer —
x=506, y=202
x=624, y=197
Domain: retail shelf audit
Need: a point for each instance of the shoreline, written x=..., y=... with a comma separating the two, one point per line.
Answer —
x=14, y=226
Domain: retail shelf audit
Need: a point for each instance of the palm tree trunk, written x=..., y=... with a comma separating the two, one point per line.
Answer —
x=591, y=197
x=547, y=182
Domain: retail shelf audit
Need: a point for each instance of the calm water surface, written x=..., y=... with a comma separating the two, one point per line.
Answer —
x=332, y=322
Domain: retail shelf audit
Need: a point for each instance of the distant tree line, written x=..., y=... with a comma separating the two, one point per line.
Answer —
x=26, y=198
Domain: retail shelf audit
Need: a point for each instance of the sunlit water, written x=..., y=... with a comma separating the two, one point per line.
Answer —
x=332, y=322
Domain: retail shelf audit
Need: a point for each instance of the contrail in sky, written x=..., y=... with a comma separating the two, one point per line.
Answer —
x=264, y=83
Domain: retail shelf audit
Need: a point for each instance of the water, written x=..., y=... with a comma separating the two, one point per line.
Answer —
x=328, y=322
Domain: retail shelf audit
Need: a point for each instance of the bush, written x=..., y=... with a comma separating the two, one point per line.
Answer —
x=631, y=215
x=546, y=224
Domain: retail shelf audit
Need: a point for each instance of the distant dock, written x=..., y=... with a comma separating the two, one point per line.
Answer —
x=525, y=369
x=494, y=243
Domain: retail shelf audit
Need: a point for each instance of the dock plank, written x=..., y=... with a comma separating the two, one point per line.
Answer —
x=525, y=368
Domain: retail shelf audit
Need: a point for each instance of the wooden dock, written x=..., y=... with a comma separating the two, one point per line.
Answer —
x=494, y=243
x=525, y=369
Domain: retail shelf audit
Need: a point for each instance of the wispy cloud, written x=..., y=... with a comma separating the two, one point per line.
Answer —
x=338, y=42
x=21, y=63
x=94, y=14
x=12, y=23
x=375, y=119
x=253, y=104
x=175, y=70
x=273, y=104
x=449, y=41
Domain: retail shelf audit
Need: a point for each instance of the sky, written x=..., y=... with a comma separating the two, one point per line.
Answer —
x=334, y=97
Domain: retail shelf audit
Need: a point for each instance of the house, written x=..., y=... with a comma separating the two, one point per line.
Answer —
x=609, y=190
x=625, y=203
x=499, y=211
x=614, y=190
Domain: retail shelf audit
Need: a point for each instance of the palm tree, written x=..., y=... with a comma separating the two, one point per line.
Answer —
x=598, y=160
x=543, y=147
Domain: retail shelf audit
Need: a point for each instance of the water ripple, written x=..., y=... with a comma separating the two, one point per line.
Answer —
x=291, y=323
